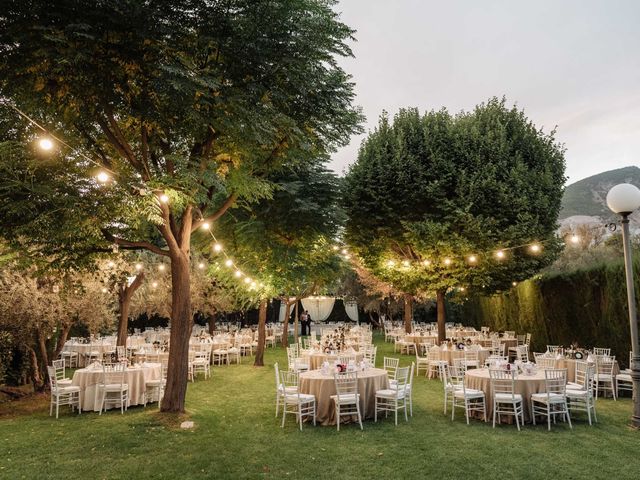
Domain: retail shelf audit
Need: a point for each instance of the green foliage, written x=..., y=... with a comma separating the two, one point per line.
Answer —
x=201, y=100
x=587, y=307
x=285, y=243
x=438, y=186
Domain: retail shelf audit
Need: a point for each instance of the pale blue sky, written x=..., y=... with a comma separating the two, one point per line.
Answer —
x=570, y=63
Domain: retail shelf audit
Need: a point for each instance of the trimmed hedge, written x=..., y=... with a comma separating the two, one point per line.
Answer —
x=587, y=307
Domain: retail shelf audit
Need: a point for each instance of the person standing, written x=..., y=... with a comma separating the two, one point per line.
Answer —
x=303, y=322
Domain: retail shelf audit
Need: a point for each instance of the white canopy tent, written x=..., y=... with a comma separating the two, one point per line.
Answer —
x=321, y=307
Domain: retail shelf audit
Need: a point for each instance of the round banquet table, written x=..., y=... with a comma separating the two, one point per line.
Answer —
x=525, y=385
x=136, y=377
x=418, y=339
x=323, y=386
x=317, y=359
x=451, y=354
x=83, y=349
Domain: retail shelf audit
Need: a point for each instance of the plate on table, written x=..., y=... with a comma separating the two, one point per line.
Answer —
x=461, y=346
x=579, y=355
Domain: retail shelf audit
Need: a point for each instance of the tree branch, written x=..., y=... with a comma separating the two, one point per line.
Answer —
x=231, y=199
x=127, y=244
x=185, y=229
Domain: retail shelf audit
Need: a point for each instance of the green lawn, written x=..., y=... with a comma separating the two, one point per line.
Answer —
x=237, y=436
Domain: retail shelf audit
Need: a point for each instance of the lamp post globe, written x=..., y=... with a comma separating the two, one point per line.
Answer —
x=624, y=199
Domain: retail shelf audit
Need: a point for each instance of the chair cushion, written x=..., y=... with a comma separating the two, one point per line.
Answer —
x=603, y=376
x=553, y=398
x=70, y=389
x=506, y=397
x=390, y=393
x=302, y=397
x=64, y=382
x=347, y=398
x=574, y=386
x=469, y=393
x=114, y=387
x=154, y=383
x=625, y=377
x=577, y=393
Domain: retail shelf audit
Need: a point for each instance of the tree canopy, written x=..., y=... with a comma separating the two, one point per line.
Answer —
x=184, y=108
x=440, y=201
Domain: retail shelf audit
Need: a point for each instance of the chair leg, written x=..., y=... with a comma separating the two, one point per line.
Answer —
x=515, y=411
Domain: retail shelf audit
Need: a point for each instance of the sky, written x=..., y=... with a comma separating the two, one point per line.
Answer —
x=570, y=64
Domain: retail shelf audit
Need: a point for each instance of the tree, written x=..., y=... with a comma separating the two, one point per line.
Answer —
x=287, y=240
x=38, y=310
x=187, y=106
x=437, y=202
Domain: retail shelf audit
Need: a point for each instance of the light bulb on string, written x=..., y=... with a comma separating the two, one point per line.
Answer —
x=535, y=248
x=228, y=262
x=514, y=283
x=103, y=177
x=575, y=238
x=201, y=265
x=391, y=263
x=344, y=251
x=45, y=144
x=206, y=226
x=247, y=280
x=110, y=264
x=238, y=273
x=217, y=247
x=138, y=266
x=161, y=267
x=472, y=259
x=347, y=257
x=164, y=198
x=335, y=248
x=426, y=263
x=104, y=290
x=406, y=263
x=154, y=284
x=447, y=261
x=500, y=254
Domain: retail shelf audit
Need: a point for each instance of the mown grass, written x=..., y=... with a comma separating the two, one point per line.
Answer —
x=237, y=436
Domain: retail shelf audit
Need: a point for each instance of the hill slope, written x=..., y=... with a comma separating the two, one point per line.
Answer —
x=588, y=196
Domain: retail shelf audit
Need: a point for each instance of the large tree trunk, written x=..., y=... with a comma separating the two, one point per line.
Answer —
x=212, y=323
x=35, y=374
x=181, y=325
x=125, y=292
x=285, y=326
x=442, y=315
x=41, y=362
x=408, y=312
x=62, y=339
x=262, y=323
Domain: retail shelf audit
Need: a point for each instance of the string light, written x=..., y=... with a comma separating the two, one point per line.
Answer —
x=575, y=239
x=201, y=265
x=206, y=226
x=426, y=263
x=500, y=254
x=161, y=267
x=472, y=259
x=347, y=257
x=335, y=248
x=45, y=144
x=110, y=264
x=514, y=283
x=447, y=261
x=238, y=274
x=138, y=266
x=154, y=284
x=228, y=262
x=247, y=280
x=406, y=263
x=391, y=263
x=104, y=290
x=535, y=248
x=103, y=177
x=164, y=198
x=344, y=251
x=217, y=247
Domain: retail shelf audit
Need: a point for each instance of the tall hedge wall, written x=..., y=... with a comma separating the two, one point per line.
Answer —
x=587, y=307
